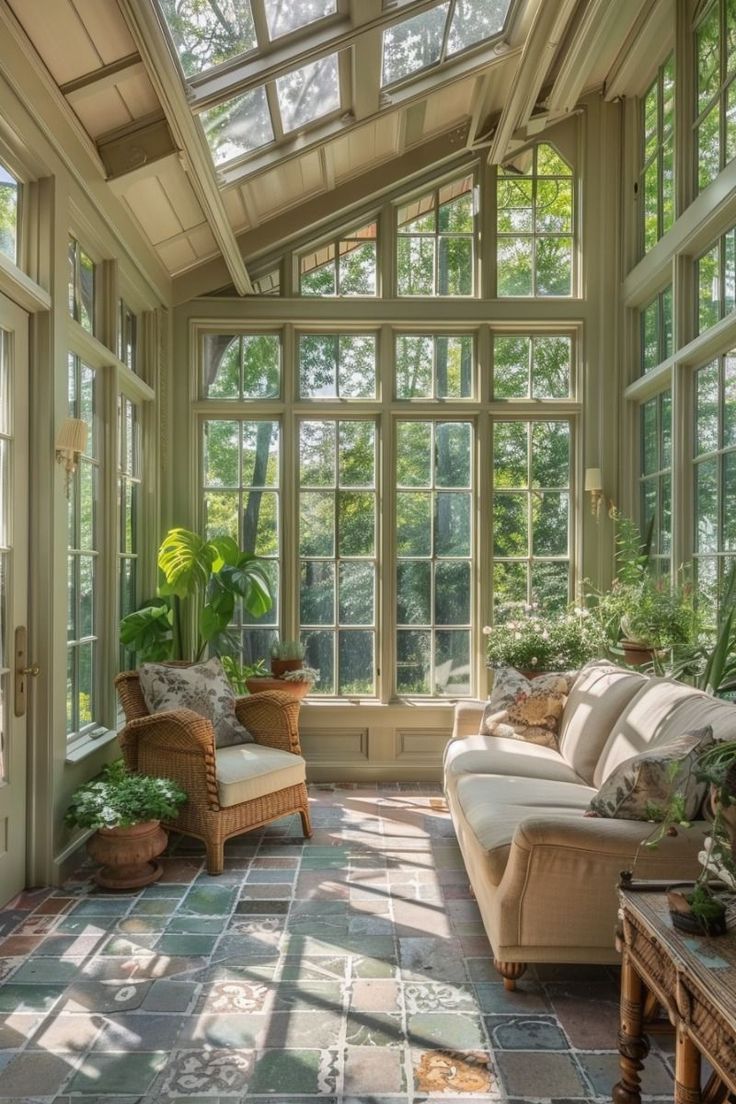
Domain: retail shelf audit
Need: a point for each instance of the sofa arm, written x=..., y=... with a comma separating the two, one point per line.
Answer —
x=468, y=715
x=272, y=716
x=177, y=744
x=560, y=885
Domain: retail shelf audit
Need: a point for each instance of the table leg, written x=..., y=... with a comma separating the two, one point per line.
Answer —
x=633, y=1045
x=687, y=1069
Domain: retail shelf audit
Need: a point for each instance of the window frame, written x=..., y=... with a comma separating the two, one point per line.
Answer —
x=720, y=98
x=661, y=138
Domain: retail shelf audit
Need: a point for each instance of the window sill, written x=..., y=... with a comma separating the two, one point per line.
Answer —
x=88, y=744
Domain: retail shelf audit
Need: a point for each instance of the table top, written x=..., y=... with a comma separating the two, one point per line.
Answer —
x=707, y=960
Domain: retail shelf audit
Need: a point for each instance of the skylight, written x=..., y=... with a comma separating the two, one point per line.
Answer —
x=413, y=44
x=238, y=126
x=475, y=20
x=430, y=37
x=285, y=16
x=308, y=93
x=206, y=34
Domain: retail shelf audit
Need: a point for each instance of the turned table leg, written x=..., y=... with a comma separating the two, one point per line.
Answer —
x=633, y=1045
x=687, y=1069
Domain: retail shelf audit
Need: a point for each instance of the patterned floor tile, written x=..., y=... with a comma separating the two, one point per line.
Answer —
x=351, y=969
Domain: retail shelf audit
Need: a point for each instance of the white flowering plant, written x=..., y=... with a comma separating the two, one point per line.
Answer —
x=120, y=799
x=529, y=641
x=302, y=674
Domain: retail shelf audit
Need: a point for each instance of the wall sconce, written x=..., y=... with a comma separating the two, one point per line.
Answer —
x=594, y=487
x=71, y=441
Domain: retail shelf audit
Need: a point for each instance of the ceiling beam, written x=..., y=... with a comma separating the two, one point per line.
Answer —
x=640, y=54
x=107, y=76
x=136, y=148
x=143, y=24
x=268, y=236
x=545, y=36
x=366, y=60
x=602, y=24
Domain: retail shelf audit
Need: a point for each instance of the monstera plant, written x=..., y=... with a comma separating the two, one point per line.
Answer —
x=201, y=582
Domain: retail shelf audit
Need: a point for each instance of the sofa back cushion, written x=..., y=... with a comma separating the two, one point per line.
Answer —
x=598, y=697
x=697, y=710
x=642, y=723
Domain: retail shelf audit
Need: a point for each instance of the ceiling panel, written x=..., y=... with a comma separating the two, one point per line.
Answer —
x=372, y=143
x=177, y=255
x=105, y=26
x=287, y=185
x=236, y=209
x=150, y=204
x=59, y=36
x=103, y=112
x=449, y=106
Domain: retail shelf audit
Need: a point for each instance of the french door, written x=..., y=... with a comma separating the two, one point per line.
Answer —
x=16, y=672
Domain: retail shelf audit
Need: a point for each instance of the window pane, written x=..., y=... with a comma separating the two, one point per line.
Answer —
x=308, y=93
x=413, y=44
x=208, y=34
x=237, y=126
x=332, y=366
x=9, y=192
x=706, y=409
x=415, y=266
x=284, y=16
x=475, y=20
x=709, y=289
x=511, y=367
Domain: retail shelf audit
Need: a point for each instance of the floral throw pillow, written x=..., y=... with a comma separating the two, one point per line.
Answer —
x=203, y=688
x=526, y=709
x=643, y=786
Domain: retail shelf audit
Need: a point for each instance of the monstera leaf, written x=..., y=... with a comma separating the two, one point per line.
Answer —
x=149, y=632
x=186, y=560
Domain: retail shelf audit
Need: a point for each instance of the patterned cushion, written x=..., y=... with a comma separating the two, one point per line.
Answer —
x=647, y=782
x=203, y=688
x=526, y=709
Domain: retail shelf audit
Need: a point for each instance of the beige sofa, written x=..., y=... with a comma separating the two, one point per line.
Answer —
x=545, y=876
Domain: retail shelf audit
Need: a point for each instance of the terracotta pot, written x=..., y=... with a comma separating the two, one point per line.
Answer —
x=296, y=689
x=279, y=667
x=128, y=855
x=531, y=672
x=635, y=654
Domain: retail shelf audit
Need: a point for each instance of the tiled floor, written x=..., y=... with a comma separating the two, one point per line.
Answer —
x=350, y=968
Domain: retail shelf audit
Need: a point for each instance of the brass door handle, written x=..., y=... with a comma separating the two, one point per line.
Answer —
x=34, y=670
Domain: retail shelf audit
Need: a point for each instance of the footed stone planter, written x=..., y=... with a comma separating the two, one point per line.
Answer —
x=128, y=855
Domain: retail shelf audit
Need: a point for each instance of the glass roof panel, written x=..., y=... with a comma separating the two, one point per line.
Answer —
x=208, y=32
x=413, y=44
x=475, y=20
x=285, y=16
x=308, y=93
x=238, y=126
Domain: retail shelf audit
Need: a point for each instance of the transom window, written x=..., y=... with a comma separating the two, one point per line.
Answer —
x=534, y=222
x=333, y=366
x=9, y=214
x=715, y=122
x=343, y=266
x=434, y=367
x=245, y=366
x=435, y=246
x=81, y=286
x=536, y=367
x=657, y=181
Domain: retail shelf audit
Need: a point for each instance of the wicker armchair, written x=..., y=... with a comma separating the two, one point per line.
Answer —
x=180, y=744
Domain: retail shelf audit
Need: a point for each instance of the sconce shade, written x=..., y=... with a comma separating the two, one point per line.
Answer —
x=593, y=479
x=72, y=436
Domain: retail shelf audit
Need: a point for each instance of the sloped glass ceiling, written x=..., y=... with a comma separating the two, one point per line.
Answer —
x=235, y=36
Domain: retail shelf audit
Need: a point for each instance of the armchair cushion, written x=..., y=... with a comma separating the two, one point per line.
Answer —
x=248, y=771
x=203, y=688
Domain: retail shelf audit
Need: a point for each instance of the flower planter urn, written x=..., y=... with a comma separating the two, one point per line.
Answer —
x=279, y=667
x=635, y=654
x=128, y=855
x=296, y=689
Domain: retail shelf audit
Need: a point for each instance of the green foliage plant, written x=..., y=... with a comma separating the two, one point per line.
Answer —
x=709, y=660
x=534, y=642
x=647, y=609
x=120, y=799
x=208, y=575
x=287, y=649
x=239, y=673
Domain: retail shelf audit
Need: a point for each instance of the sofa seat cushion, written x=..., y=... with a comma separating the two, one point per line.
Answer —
x=498, y=755
x=495, y=805
x=247, y=771
x=598, y=697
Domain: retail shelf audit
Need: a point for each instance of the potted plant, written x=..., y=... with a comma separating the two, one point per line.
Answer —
x=535, y=644
x=209, y=577
x=286, y=655
x=127, y=810
x=298, y=683
x=643, y=616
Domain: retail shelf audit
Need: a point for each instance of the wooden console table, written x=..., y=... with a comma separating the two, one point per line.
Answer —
x=694, y=979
